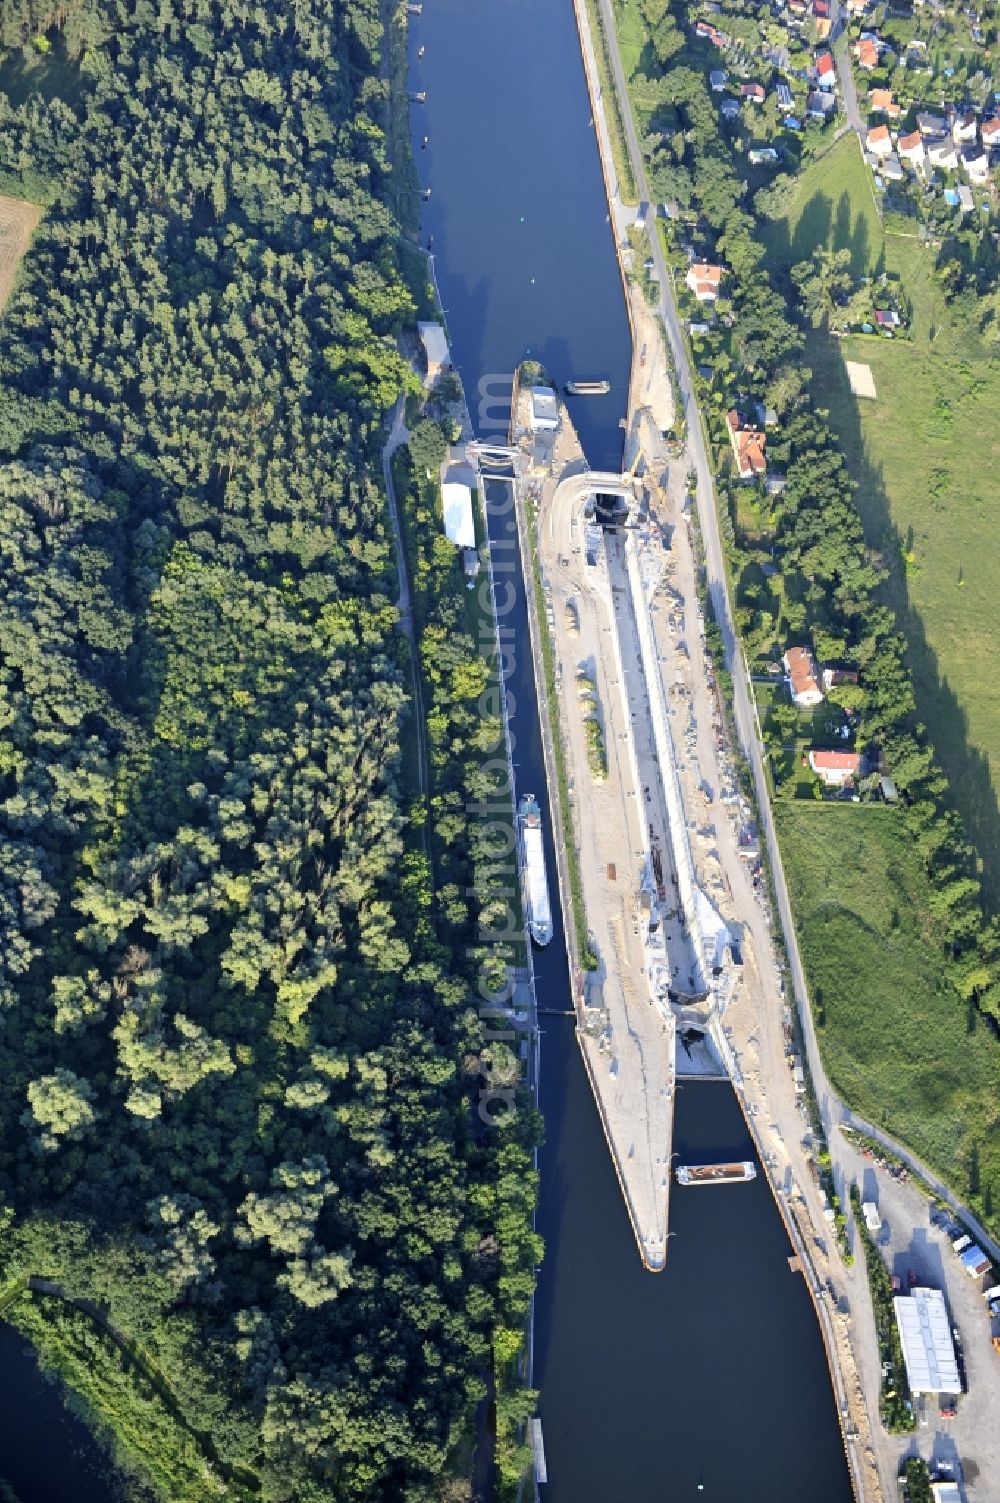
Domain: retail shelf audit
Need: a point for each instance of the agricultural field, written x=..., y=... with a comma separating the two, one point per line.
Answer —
x=18, y=221
x=898, y=1042
x=925, y=455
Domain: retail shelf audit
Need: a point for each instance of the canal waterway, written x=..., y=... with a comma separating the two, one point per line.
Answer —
x=712, y=1375
x=47, y=1453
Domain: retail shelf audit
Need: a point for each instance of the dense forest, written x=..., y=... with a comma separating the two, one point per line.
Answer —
x=239, y=1045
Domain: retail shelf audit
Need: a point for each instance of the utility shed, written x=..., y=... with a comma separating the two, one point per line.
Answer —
x=544, y=410
x=928, y=1348
x=456, y=500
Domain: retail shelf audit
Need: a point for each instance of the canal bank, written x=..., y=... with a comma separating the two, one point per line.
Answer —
x=714, y=1373
x=48, y=1454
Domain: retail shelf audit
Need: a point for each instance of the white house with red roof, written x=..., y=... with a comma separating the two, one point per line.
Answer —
x=878, y=141
x=703, y=280
x=825, y=71
x=803, y=681
x=911, y=148
x=835, y=768
x=748, y=447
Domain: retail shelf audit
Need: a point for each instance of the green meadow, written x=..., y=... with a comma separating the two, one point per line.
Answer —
x=926, y=456
x=898, y=1042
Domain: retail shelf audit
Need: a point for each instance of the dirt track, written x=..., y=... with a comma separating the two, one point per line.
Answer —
x=18, y=221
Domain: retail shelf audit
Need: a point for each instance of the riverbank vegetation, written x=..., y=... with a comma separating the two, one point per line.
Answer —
x=239, y=1053
x=895, y=1406
x=472, y=853
x=802, y=571
x=612, y=104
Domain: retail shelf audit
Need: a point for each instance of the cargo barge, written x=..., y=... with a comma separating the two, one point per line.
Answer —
x=588, y=388
x=534, y=881
x=715, y=1174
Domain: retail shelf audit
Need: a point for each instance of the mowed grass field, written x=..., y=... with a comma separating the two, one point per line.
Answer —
x=18, y=222
x=926, y=456
x=898, y=1042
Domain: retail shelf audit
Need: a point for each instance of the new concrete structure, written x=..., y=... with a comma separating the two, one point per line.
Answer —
x=436, y=351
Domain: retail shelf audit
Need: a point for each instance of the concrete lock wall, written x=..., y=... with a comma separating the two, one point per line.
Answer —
x=687, y=884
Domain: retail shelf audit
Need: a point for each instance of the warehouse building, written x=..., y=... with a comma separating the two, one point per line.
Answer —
x=928, y=1348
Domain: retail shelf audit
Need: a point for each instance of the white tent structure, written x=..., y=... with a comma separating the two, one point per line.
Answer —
x=456, y=500
x=928, y=1348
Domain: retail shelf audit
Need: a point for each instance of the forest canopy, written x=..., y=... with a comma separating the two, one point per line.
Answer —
x=238, y=1048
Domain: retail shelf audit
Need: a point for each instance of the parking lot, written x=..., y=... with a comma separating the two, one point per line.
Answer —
x=918, y=1249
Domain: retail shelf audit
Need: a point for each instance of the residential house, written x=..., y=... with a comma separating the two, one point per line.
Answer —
x=892, y=169
x=834, y=677
x=822, y=19
x=867, y=52
x=964, y=128
x=705, y=29
x=878, y=142
x=748, y=447
x=931, y=125
x=797, y=9
x=792, y=122
x=881, y=102
x=824, y=71
x=703, y=280
x=965, y=199
x=991, y=132
x=784, y=94
x=820, y=104
x=943, y=154
x=761, y=154
x=730, y=108
x=887, y=319
x=976, y=164
x=910, y=148
x=835, y=768
x=753, y=91
x=717, y=80
x=800, y=667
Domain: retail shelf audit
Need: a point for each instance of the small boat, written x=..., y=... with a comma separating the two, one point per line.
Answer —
x=419, y=98
x=588, y=388
x=715, y=1174
x=421, y=51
